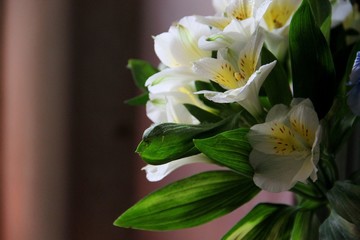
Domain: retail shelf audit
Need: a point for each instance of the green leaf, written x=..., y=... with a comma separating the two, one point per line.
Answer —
x=311, y=61
x=170, y=141
x=277, y=81
x=338, y=126
x=141, y=71
x=264, y=222
x=335, y=227
x=202, y=115
x=308, y=191
x=306, y=226
x=190, y=202
x=138, y=100
x=321, y=10
x=344, y=198
x=230, y=149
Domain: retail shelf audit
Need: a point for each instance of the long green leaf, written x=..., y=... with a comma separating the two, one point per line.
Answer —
x=138, y=100
x=190, y=202
x=230, y=149
x=306, y=226
x=170, y=141
x=344, y=198
x=264, y=222
x=335, y=228
x=321, y=10
x=312, y=66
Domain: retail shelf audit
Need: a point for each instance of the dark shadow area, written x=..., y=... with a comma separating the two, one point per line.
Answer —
x=103, y=38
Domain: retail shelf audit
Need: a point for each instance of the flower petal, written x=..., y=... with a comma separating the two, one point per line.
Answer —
x=218, y=70
x=275, y=173
x=354, y=94
x=355, y=73
x=275, y=138
x=340, y=11
x=304, y=121
x=354, y=99
x=246, y=96
x=178, y=46
x=156, y=173
x=277, y=112
x=170, y=79
x=168, y=107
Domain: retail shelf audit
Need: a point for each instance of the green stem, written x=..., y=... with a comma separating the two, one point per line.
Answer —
x=329, y=168
x=308, y=192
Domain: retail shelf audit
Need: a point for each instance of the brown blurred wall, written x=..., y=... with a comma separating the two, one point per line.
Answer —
x=67, y=137
x=34, y=119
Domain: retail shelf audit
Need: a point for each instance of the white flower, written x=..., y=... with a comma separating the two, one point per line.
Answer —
x=234, y=36
x=235, y=10
x=178, y=46
x=240, y=75
x=169, y=90
x=156, y=173
x=353, y=22
x=276, y=23
x=168, y=107
x=341, y=10
x=285, y=147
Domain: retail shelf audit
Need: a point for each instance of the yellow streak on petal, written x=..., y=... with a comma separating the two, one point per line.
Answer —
x=284, y=138
x=305, y=132
x=243, y=10
x=247, y=64
x=227, y=77
x=278, y=14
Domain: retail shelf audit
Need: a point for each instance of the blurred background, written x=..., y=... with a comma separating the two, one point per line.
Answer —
x=68, y=167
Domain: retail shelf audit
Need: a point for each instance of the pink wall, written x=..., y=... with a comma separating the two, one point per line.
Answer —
x=157, y=16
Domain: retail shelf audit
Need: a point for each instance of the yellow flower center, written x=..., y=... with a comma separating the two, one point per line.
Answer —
x=284, y=140
x=247, y=64
x=227, y=77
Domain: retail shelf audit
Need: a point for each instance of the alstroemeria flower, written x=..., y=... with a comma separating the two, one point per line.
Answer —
x=156, y=173
x=234, y=36
x=285, y=147
x=169, y=90
x=276, y=23
x=179, y=46
x=341, y=10
x=235, y=10
x=240, y=76
x=353, y=22
x=354, y=94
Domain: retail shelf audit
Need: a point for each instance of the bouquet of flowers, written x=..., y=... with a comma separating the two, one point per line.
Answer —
x=267, y=89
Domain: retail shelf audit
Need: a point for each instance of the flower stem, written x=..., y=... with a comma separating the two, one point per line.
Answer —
x=310, y=192
x=329, y=169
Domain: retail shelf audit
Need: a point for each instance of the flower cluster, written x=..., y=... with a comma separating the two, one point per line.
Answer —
x=268, y=89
